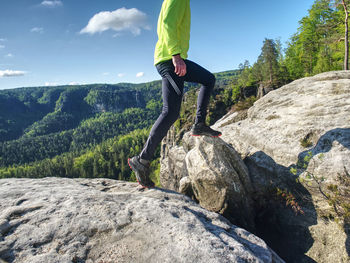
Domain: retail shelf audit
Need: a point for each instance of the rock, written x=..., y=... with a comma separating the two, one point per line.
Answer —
x=186, y=186
x=171, y=169
x=233, y=117
x=102, y=220
x=308, y=117
x=330, y=240
x=219, y=178
x=213, y=172
x=315, y=109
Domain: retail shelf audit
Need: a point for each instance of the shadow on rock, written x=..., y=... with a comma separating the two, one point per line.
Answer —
x=284, y=230
x=324, y=145
x=7, y=256
x=325, y=142
x=347, y=242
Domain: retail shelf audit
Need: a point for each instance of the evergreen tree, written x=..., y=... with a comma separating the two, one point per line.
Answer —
x=269, y=57
x=317, y=45
x=345, y=4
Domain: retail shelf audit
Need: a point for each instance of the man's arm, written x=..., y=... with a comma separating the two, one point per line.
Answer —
x=172, y=17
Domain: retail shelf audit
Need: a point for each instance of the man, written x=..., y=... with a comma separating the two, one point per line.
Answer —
x=170, y=59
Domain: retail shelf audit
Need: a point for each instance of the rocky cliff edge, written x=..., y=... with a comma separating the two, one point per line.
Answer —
x=102, y=220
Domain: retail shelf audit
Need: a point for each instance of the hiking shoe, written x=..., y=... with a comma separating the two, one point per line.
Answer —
x=202, y=129
x=141, y=171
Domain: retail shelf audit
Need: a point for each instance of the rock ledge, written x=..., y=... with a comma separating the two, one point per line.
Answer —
x=102, y=220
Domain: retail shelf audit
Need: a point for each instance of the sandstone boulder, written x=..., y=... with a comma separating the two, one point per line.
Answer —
x=102, y=220
x=213, y=173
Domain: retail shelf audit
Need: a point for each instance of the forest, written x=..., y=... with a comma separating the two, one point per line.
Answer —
x=91, y=130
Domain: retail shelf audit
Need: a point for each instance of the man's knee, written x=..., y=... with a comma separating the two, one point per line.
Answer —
x=172, y=114
x=211, y=80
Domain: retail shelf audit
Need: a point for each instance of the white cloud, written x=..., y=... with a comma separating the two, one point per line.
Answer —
x=120, y=75
x=9, y=55
x=53, y=3
x=73, y=83
x=118, y=20
x=140, y=74
x=105, y=73
x=2, y=46
x=3, y=39
x=11, y=73
x=51, y=84
x=37, y=30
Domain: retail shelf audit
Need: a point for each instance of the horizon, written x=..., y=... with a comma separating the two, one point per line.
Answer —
x=99, y=83
x=59, y=43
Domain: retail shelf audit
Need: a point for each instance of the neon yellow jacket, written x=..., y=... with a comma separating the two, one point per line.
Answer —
x=173, y=30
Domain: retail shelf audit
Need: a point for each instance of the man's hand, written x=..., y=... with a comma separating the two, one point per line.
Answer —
x=180, y=66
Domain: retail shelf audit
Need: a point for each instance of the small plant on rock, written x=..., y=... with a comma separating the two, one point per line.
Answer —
x=290, y=200
x=305, y=142
x=337, y=196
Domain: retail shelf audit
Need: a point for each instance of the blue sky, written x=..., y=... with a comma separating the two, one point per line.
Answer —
x=58, y=42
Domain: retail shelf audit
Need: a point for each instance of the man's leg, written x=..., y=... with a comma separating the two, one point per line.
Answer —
x=170, y=113
x=198, y=74
x=172, y=89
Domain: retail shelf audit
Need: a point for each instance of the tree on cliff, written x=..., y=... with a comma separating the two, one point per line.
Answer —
x=309, y=50
x=319, y=43
x=267, y=64
x=345, y=4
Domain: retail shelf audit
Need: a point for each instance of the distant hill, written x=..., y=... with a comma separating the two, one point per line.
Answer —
x=44, y=110
x=43, y=122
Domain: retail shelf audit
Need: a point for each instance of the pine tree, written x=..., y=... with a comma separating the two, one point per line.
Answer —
x=268, y=62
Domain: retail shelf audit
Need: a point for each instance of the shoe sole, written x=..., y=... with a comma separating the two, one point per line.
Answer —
x=137, y=179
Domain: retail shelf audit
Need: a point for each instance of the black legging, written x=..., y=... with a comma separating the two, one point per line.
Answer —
x=172, y=91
